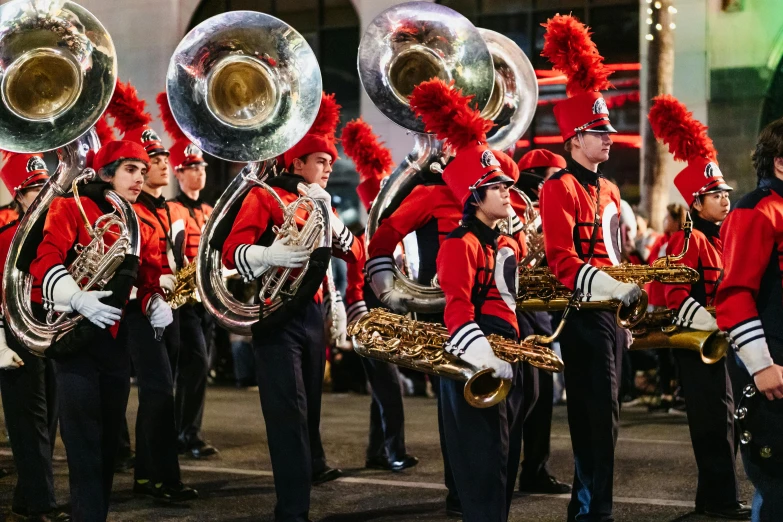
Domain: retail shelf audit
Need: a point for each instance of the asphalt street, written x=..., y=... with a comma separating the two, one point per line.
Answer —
x=655, y=472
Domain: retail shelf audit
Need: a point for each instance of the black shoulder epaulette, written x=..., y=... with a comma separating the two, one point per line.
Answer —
x=8, y=225
x=559, y=174
x=458, y=232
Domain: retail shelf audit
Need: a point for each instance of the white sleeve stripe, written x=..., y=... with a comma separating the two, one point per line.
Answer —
x=738, y=331
x=52, y=276
x=240, y=260
x=376, y=265
x=355, y=310
x=516, y=224
x=580, y=276
x=687, y=311
x=744, y=336
x=387, y=260
x=464, y=331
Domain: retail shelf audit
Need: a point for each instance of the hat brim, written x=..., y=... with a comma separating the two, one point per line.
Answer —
x=194, y=164
x=499, y=177
x=721, y=187
x=604, y=127
x=158, y=152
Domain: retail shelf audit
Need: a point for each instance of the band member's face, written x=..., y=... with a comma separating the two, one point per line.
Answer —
x=128, y=179
x=192, y=178
x=26, y=199
x=714, y=206
x=670, y=225
x=596, y=146
x=316, y=169
x=158, y=173
x=496, y=202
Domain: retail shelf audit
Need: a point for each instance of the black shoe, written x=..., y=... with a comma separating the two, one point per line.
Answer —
x=738, y=511
x=453, y=510
x=199, y=449
x=125, y=463
x=379, y=462
x=56, y=515
x=408, y=461
x=327, y=475
x=178, y=492
x=548, y=485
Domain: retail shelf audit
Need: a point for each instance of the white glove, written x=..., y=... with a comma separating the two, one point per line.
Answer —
x=600, y=286
x=480, y=355
x=693, y=315
x=88, y=304
x=159, y=313
x=314, y=191
x=516, y=223
x=337, y=321
x=382, y=283
x=254, y=260
x=9, y=359
x=168, y=282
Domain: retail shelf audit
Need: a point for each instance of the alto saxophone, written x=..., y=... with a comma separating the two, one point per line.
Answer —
x=658, y=330
x=185, y=290
x=420, y=346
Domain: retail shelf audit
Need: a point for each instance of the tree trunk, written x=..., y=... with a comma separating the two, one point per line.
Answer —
x=654, y=183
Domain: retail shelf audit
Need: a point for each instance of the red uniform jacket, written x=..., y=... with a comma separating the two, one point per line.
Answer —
x=64, y=230
x=170, y=224
x=254, y=222
x=567, y=205
x=656, y=290
x=750, y=297
x=354, y=287
x=703, y=255
x=198, y=212
x=7, y=214
x=6, y=236
x=477, y=270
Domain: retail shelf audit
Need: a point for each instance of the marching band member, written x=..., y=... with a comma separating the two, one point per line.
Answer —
x=8, y=214
x=290, y=357
x=535, y=167
x=386, y=449
x=477, y=270
x=194, y=323
x=93, y=380
x=156, y=471
x=707, y=387
x=28, y=387
x=581, y=217
x=749, y=308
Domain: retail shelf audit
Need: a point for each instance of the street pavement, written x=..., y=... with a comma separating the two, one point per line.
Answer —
x=655, y=472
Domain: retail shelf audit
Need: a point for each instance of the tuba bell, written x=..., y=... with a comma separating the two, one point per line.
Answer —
x=245, y=87
x=55, y=87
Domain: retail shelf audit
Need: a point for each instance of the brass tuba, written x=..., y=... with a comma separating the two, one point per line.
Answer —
x=55, y=87
x=420, y=346
x=402, y=47
x=245, y=87
x=658, y=330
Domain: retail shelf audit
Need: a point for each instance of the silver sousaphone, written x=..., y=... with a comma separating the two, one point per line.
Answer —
x=245, y=86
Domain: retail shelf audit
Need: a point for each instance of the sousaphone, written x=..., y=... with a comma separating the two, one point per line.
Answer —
x=245, y=86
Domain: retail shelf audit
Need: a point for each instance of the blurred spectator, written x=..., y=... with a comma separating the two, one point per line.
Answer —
x=645, y=236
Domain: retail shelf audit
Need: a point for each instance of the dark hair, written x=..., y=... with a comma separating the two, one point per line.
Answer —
x=469, y=210
x=677, y=213
x=768, y=147
x=537, y=171
x=111, y=169
x=568, y=145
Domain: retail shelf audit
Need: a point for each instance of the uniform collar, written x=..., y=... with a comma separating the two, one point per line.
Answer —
x=583, y=175
x=287, y=181
x=96, y=191
x=483, y=233
x=708, y=228
x=772, y=184
x=188, y=202
x=150, y=200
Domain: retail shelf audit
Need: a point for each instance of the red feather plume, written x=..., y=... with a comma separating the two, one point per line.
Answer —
x=5, y=155
x=104, y=131
x=449, y=114
x=169, y=123
x=372, y=159
x=127, y=109
x=676, y=127
x=328, y=117
x=571, y=50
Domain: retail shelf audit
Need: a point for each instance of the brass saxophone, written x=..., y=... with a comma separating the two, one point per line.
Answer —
x=185, y=290
x=540, y=291
x=658, y=330
x=420, y=346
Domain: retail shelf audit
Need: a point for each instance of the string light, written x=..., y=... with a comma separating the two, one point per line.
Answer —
x=658, y=25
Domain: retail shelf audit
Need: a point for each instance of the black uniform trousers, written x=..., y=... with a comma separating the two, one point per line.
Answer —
x=592, y=346
x=290, y=361
x=539, y=392
x=30, y=408
x=192, y=373
x=387, y=418
x=710, y=406
x=156, y=433
x=484, y=444
x=92, y=387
